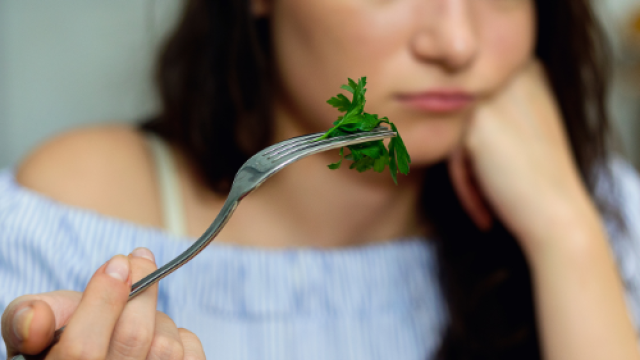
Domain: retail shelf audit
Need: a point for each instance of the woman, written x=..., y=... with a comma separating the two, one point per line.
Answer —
x=492, y=248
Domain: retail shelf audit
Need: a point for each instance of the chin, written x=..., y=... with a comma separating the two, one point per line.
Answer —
x=429, y=143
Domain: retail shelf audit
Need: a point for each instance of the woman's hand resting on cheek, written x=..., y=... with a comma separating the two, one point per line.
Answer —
x=515, y=160
x=101, y=324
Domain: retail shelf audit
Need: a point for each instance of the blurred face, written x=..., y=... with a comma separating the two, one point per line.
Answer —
x=428, y=62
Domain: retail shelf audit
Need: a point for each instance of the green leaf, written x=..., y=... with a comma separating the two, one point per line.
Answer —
x=352, y=119
x=379, y=165
x=358, y=90
x=350, y=128
x=373, y=149
x=340, y=102
x=364, y=164
x=352, y=84
x=403, y=155
x=348, y=88
x=382, y=161
x=369, y=122
x=336, y=165
x=356, y=154
x=393, y=165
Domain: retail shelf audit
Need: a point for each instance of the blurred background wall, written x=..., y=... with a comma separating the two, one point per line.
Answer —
x=621, y=21
x=67, y=63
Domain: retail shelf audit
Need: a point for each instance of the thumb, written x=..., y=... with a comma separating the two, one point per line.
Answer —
x=468, y=191
x=29, y=322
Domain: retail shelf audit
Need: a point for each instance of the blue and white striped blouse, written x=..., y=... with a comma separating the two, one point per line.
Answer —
x=378, y=301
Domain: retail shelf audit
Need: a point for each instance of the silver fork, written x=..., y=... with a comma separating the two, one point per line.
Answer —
x=251, y=175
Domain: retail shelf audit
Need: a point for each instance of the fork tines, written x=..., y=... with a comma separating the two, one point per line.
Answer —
x=308, y=142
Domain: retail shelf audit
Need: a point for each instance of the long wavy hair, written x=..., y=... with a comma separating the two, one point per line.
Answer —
x=213, y=77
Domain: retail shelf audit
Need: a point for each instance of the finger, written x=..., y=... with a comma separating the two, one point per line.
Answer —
x=533, y=88
x=467, y=191
x=30, y=329
x=192, y=346
x=28, y=322
x=134, y=330
x=88, y=333
x=166, y=344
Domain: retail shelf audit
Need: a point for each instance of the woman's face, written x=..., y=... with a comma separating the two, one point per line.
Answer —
x=428, y=62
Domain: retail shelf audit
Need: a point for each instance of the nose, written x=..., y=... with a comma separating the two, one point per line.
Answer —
x=445, y=33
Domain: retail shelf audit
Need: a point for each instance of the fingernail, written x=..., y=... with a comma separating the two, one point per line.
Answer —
x=143, y=253
x=22, y=321
x=118, y=268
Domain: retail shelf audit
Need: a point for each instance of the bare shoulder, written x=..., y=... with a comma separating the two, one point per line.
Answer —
x=106, y=168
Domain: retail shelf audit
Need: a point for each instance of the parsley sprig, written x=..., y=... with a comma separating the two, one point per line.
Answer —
x=370, y=155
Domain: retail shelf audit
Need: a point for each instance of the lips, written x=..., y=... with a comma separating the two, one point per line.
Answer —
x=441, y=101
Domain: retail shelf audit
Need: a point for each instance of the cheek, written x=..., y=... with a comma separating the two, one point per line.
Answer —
x=306, y=50
x=511, y=51
x=318, y=44
x=508, y=40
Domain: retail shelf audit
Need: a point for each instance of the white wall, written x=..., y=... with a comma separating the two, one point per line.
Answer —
x=66, y=63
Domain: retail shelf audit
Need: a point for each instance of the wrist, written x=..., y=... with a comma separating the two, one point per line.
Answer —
x=565, y=231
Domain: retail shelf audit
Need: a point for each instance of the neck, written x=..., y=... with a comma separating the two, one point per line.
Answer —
x=307, y=204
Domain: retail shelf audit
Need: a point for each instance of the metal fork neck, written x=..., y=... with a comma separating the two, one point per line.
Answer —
x=225, y=213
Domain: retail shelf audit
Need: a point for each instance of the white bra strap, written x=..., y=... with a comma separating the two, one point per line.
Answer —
x=170, y=195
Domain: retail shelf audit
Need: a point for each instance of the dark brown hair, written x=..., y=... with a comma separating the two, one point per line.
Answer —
x=213, y=76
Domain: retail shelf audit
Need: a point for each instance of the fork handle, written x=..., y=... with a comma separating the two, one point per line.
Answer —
x=225, y=213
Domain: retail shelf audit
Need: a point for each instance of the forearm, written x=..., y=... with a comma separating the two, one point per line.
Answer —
x=579, y=297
